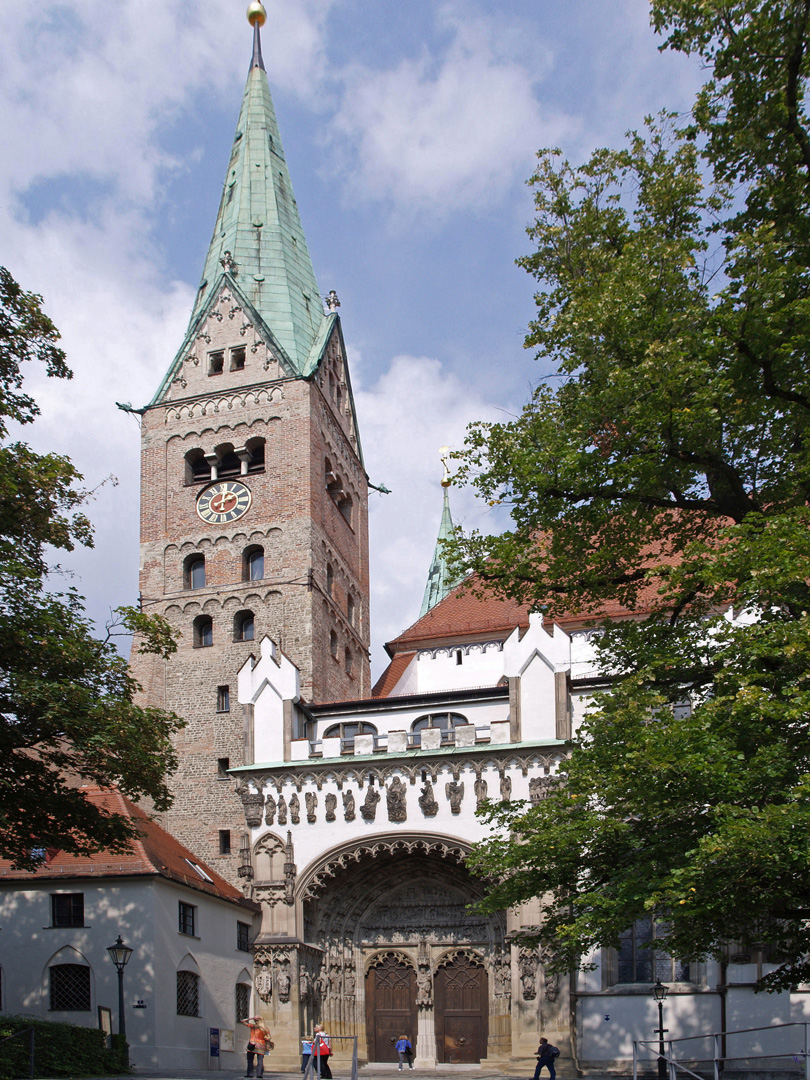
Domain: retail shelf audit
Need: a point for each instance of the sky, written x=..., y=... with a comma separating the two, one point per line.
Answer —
x=410, y=131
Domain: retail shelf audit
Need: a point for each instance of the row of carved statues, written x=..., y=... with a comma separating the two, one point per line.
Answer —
x=334, y=977
x=258, y=806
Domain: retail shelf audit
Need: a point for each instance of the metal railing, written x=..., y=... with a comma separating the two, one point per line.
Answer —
x=313, y=1069
x=18, y=1034
x=720, y=1057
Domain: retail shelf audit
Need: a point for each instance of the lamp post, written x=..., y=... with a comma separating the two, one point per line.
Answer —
x=659, y=992
x=120, y=954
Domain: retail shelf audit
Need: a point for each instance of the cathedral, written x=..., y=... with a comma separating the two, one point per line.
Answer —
x=346, y=810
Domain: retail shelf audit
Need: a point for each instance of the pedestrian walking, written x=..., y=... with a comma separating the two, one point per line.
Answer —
x=404, y=1051
x=546, y=1056
x=321, y=1051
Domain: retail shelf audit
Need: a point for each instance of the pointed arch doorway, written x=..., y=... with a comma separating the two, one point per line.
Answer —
x=390, y=1005
x=462, y=1010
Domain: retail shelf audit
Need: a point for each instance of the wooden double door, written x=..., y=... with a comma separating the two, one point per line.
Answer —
x=461, y=1010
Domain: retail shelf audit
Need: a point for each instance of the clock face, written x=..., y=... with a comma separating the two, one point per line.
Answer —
x=224, y=501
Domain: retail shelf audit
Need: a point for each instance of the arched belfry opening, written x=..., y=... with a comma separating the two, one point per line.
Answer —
x=394, y=950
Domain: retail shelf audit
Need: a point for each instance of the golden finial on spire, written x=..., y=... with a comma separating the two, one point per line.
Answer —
x=443, y=454
x=256, y=13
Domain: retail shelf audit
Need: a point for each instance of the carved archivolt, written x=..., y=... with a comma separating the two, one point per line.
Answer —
x=266, y=395
x=390, y=954
x=317, y=880
x=448, y=957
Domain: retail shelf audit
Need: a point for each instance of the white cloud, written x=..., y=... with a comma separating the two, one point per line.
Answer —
x=86, y=88
x=449, y=133
x=412, y=409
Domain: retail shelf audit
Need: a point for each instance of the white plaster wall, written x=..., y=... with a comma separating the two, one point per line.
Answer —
x=538, y=717
x=481, y=665
x=312, y=841
x=144, y=911
x=480, y=713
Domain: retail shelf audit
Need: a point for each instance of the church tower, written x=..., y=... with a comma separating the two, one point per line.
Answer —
x=253, y=491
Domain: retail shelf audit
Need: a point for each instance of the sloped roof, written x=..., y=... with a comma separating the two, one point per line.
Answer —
x=392, y=674
x=258, y=234
x=155, y=854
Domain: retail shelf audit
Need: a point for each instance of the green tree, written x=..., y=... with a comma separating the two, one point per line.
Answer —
x=67, y=709
x=665, y=465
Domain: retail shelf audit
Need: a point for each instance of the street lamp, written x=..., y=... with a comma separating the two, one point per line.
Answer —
x=659, y=992
x=120, y=954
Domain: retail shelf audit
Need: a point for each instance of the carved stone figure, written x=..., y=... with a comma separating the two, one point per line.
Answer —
x=527, y=964
x=282, y=810
x=348, y=806
x=283, y=982
x=503, y=977
x=334, y=978
x=395, y=795
x=263, y=981
x=428, y=804
x=304, y=984
x=424, y=987
x=480, y=792
x=550, y=978
x=368, y=811
x=311, y=800
x=539, y=787
x=455, y=793
x=321, y=984
x=295, y=809
x=349, y=983
x=506, y=787
x=253, y=803
x=270, y=810
x=331, y=804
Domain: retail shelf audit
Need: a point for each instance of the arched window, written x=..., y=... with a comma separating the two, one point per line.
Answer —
x=333, y=643
x=229, y=464
x=242, y=1002
x=330, y=579
x=188, y=993
x=345, y=506
x=350, y=609
x=194, y=572
x=253, y=563
x=203, y=631
x=69, y=988
x=243, y=626
x=347, y=660
x=444, y=721
x=347, y=732
x=197, y=468
x=255, y=447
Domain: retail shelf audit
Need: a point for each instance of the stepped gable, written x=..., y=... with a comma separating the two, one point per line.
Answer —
x=154, y=853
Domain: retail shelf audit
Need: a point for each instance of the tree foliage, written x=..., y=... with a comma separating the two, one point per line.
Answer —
x=67, y=702
x=666, y=465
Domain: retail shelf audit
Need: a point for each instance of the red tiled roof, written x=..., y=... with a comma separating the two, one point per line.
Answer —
x=154, y=853
x=392, y=674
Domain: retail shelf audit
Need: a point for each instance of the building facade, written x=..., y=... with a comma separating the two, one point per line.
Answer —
x=191, y=934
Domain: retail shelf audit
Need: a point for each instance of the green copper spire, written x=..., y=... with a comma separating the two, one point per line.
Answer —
x=440, y=582
x=258, y=239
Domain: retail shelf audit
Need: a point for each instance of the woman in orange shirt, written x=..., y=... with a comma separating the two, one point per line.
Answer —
x=258, y=1045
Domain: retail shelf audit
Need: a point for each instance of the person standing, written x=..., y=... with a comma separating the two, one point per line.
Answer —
x=321, y=1051
x=546, y=1056
x=258, y=1044
x=404, y=1051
